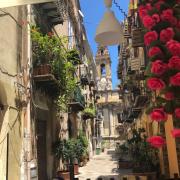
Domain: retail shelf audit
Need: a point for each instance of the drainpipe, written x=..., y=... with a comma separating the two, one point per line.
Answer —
x=28, y=128
x=25, y=170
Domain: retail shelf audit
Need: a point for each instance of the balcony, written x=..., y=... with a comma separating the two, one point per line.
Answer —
x=134, y=113
x=89, y=113
x=77, y=102
x=44, y=78
x=141, y=101
x=85, y=76
x=137, y=37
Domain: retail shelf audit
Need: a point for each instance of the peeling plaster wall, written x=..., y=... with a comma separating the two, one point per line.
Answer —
x=11, y=53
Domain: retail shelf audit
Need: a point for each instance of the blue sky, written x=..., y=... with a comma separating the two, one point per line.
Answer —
x=93, y=11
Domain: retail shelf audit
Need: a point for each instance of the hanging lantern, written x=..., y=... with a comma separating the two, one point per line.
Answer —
x=109, y=31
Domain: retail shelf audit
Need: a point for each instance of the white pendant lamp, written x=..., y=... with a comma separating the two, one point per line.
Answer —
x=109, y=31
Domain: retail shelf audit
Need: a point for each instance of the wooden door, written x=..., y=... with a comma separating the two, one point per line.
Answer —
x=41, y=150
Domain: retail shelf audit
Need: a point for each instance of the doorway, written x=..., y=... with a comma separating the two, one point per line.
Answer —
x=41, y=150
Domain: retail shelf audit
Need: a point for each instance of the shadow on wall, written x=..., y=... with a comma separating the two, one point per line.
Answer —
x=3, y=103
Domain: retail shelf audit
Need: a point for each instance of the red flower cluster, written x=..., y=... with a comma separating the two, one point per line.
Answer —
x=156, y=141
x=173, y=47
x=158, y=115
x=175, y=80
x=177, y=113
x=167, y=34
x=148, y=22
x=167, y=15
x=162, y=41
x=169, y=96
x=158, y=67
x=175, y=133
x=150, y=37
x=174, y=63
x=155, y=84
x=155, y=51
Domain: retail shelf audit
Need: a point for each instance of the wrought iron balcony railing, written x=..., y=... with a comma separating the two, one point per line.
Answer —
x=77, y=102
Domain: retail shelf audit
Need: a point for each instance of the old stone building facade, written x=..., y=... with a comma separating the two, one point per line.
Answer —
x=28, y=122
x=108, y=103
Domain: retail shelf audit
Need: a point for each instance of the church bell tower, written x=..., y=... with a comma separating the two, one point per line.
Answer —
x=103, y=65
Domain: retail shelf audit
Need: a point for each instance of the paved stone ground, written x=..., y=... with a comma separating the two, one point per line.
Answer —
x=103, y=165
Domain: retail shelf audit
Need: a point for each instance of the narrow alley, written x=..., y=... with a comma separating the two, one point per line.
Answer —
x=102, y=166
x=89, y=90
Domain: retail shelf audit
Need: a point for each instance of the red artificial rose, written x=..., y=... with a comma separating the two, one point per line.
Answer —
x=174, y=63
x=149, y=37
x=155, y=84
x=167, y=34
x=169, y=96
x=178, y=25
x=158, y=4
x=167, y=15
x=158, y=115
x=174, y=21
x=148, y=22
x=175, y=133
x=177, y=112
x=148, y=6
x=156, y=18
x=154, y=51
x=174, y=47
x=142, y=10
x=175, y=80
x=156, y=141
x=158, y=67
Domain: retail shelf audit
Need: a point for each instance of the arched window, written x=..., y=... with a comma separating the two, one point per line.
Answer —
x=103, y=69
x=102, y=52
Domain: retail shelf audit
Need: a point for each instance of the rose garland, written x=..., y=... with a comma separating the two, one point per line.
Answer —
x=161, y=19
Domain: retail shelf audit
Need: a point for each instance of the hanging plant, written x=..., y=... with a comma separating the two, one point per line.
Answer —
x=89, y=112
x=162, y=22
x=73, y=57
x=49, y=49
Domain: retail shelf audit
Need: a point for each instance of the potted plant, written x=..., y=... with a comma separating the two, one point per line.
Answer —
x=89, y=112
x=122, y=151
x=73, y=57
x=144, y=156
x=58, y=151
x=82, y=149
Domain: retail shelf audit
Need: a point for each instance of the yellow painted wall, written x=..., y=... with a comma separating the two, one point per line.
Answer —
x=11, y=122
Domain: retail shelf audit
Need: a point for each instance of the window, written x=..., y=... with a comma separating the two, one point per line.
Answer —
x=102, y=51
x=136, y=52
x=119, y=118
x=103, y=69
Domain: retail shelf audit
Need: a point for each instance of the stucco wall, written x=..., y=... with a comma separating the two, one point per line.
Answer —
x=10, y=62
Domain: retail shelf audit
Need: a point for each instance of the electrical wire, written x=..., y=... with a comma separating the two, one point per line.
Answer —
x=9, y=14
x=119, y=7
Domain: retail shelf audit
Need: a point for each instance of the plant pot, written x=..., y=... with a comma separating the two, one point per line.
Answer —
x=36, y=71
x=125, y=164
x=42, y=69
x=64, y=174
x=45, y=69
x=148, y=175
x=76, y=169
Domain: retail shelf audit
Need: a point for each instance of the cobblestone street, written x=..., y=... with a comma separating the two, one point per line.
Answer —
x=103, y=165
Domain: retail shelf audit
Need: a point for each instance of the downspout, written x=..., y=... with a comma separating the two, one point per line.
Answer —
x=26, y=155
x=28, y=125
